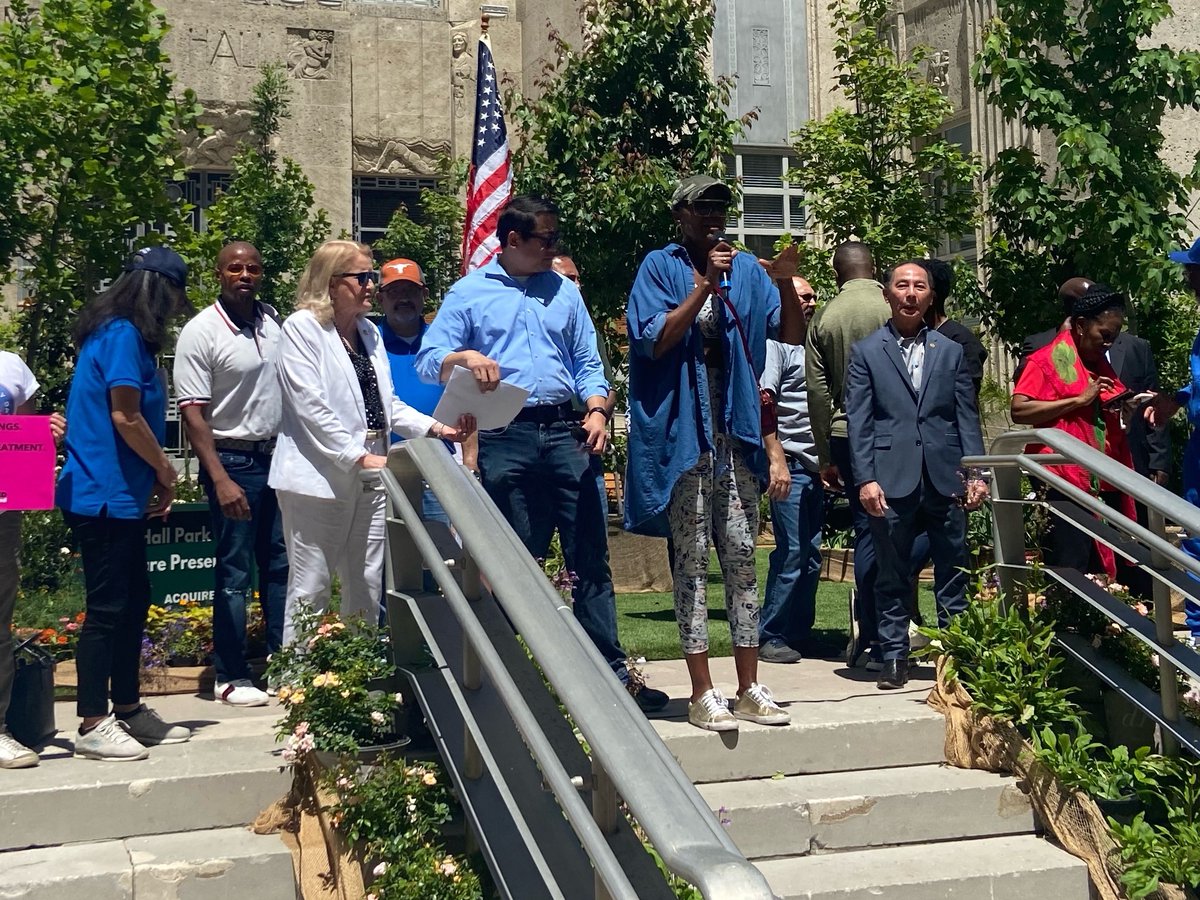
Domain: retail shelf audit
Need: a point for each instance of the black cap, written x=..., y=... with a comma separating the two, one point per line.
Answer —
x=162, y=260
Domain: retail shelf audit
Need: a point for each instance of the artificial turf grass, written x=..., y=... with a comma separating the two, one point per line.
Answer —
x=646, y=622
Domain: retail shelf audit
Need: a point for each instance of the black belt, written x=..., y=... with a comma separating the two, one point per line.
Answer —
x=547, y=415
x=267, y=446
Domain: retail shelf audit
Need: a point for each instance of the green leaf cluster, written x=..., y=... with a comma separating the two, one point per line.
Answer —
x=880, y=171
x=432, y=239
x=88, y=121
x=617, y=122
x=1095, y=82
x=269, y=203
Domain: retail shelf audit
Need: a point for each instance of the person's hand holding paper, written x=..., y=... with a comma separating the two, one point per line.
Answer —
x=468, y=395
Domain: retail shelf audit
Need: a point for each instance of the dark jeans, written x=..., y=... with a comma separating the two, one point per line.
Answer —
x=945, y=521
x=1191, y=544
x=240, y=546
x=10, y=577
x=1070, y=548
x=790, y=602
x=108, y=656
x=541, y=479
x=864, y=546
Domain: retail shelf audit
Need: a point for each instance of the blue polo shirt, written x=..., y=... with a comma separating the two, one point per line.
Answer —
x=102, y=475
x=402, y=356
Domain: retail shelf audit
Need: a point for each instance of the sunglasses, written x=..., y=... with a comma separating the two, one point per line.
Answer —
x=708, y=208
x=549, y=239
x=236, y=268
x=361, y=277
x=807, y=298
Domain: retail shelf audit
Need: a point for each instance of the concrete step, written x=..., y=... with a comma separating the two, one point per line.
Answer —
x=851, y=810
x=1001, y=868
x=220, y=864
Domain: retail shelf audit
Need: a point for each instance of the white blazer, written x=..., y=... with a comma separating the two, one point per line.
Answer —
x=323, y=430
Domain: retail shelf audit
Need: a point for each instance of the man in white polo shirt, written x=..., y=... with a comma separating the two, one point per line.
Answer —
x=229, y=400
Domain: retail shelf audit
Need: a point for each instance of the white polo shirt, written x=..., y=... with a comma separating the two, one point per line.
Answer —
x=231, y=370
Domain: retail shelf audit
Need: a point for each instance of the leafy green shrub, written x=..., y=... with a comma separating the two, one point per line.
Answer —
x=1157, y=854
x=47, y=560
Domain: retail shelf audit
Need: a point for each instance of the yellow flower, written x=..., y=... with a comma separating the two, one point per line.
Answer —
x=297, y=697
x=429, y=779
x=284, y=693
x=326, y=679
x=345, y=694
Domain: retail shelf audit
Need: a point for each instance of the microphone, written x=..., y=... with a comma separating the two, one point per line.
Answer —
x=722, y=238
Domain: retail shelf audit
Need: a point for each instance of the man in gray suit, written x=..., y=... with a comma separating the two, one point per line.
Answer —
x=911, y=417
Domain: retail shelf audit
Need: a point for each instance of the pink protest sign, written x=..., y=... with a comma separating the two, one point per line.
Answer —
x=27, y=457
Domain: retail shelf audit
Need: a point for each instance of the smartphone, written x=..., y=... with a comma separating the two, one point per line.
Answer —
x=1112, y=401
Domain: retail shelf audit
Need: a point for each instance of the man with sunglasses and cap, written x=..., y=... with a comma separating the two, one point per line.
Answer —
x=230, y=405
x=514, y=318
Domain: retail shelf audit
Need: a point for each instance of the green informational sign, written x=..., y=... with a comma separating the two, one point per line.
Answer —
x=180, y=556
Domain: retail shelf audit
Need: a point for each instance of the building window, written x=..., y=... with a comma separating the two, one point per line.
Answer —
x=771, y=205
x=965, y=244
x=377, y=199
x=201, y=190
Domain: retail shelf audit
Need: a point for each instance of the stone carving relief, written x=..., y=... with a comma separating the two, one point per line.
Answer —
x=760, y=46
x=229, y=127
x=217, y=48
x=393, y=156
x=310, y=54
x=462, y=72
x=939, y=70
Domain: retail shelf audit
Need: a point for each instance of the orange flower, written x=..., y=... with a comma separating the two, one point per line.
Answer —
x=62, y=639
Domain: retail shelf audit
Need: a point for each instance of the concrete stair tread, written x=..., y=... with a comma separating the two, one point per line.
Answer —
x=999, y=868
x=850, y=810
x=217, y=864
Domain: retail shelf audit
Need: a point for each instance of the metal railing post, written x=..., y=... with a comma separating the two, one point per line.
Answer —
x=1168, y=675
x=1008, y=530
x=605, y=810
x=472, y=668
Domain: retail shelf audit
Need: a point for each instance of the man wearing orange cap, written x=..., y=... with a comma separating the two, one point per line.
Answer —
x=402, y=296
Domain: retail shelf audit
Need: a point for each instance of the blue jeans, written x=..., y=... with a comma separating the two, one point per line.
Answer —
x=945, y=521
x=1191, y=544
x=864, y=546
x=541, y=478
x=240, y=545
x=790, y=602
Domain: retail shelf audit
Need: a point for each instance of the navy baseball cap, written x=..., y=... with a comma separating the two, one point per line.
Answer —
x=162, y=260
x=1187, y=257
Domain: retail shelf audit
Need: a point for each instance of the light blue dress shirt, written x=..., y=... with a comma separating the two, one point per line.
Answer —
x=536, y=329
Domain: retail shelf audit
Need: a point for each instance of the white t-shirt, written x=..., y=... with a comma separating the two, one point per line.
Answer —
x=17, y=383
x=231, y=370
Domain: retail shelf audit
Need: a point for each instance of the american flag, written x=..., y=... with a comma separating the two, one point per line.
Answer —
x=490, y=181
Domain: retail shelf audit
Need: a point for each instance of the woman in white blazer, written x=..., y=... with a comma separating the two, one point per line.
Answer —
x=339, y=409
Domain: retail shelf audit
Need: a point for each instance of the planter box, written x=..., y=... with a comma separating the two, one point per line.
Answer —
x=154, y=682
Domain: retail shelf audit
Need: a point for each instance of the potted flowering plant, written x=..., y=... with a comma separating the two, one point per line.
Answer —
x=325, y=680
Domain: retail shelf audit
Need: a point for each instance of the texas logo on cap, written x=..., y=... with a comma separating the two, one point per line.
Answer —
x=402, y=270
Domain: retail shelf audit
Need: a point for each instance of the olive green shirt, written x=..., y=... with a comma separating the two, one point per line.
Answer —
x=857, y=311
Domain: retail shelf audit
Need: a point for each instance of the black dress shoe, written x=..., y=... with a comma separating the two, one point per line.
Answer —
x=894, y=674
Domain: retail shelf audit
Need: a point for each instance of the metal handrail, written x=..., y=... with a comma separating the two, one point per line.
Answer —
x=1169, y=566
x=627, y=753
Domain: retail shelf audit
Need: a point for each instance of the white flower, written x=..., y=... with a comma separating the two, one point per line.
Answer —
x=378, y=718
x=379, y=870
x=399, y=698
x=65, y=551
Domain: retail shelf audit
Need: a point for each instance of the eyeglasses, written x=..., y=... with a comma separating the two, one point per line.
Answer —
x=807, y=298
x=361, y=277
x=549, y=239
x=706, y=208
x=254, y=270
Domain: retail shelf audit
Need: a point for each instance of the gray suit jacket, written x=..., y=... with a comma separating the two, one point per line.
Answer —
x=897, y=433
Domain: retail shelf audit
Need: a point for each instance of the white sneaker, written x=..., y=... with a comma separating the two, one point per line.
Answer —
x=711, y=712
x=916, y=640
x=14, y=754
x=757, y=705
x=149, y=729
x=110, y=740
x=240, y=692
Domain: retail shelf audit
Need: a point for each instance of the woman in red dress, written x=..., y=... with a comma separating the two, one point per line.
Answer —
x=1070, y=385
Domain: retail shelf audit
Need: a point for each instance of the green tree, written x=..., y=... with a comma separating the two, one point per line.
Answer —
x=617, y=123
x=433, y=239
x=269, y=203
x=881, y=172
x=1105, y=203
x=88, y=122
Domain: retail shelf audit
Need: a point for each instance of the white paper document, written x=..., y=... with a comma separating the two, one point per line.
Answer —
x=494, y=409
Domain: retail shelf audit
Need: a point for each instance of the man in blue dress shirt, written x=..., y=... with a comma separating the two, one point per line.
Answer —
x=515, y=319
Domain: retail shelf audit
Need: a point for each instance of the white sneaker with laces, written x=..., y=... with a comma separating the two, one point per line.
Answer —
x=711, y=712
x=240, y=692
x=110, y=740
x=149, y=729
x=757, y=705
x=14, y=754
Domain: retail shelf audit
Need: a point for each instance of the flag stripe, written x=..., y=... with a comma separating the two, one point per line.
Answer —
x=489, y=184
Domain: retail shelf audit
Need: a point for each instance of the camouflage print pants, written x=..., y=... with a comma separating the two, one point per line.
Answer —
x=716, y=500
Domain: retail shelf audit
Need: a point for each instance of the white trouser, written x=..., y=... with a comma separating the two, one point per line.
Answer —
x=345, y=536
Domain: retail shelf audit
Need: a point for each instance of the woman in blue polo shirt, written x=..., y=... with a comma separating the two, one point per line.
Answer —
x=117, y=474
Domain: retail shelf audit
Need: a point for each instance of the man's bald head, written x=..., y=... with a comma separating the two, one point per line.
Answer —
x=1071, y=290
x=853, y=260
x=235, y=249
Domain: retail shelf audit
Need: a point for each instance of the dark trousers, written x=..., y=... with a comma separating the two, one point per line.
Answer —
x=864, y=546
x=541, y=478
x=240, y=546
x=945, y=521
x=108, y=657
x=10, y=578
x=1070, y=548
x=789, y=606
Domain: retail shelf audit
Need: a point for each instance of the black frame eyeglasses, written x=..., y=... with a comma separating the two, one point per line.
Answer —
x=550, y=239
x=361, y=277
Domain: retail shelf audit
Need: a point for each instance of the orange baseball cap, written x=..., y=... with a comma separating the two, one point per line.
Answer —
x=402, y=270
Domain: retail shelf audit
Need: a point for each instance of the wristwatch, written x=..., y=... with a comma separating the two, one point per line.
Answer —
x=599, y=409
